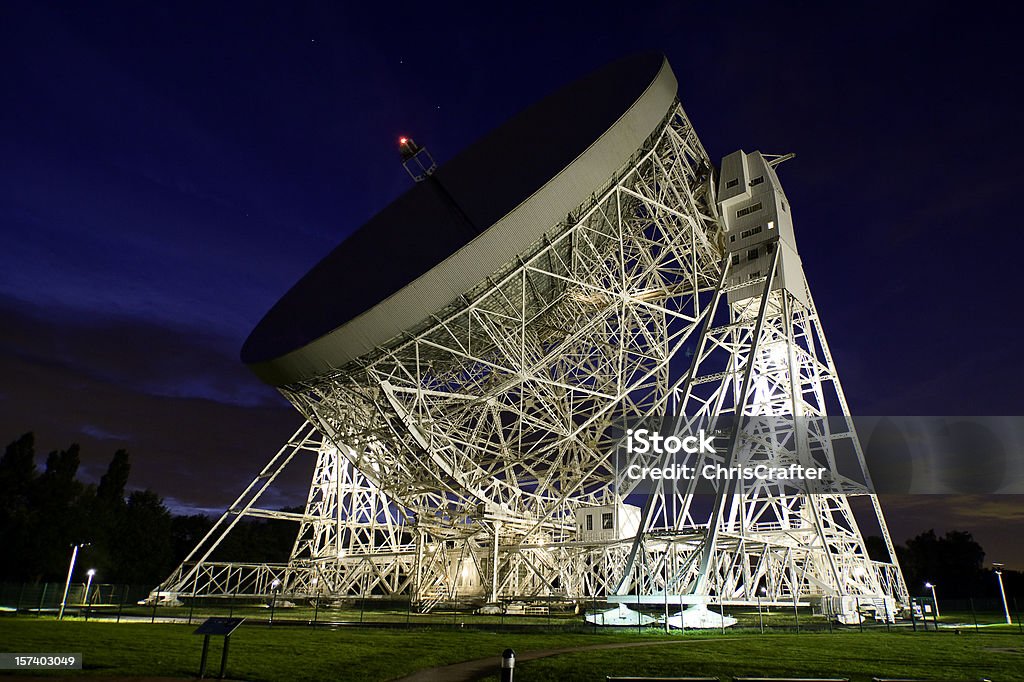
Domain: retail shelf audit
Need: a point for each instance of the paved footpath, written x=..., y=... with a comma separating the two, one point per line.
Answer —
x=469, y=671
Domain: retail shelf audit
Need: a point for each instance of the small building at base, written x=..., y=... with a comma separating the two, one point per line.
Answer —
x=608, y=522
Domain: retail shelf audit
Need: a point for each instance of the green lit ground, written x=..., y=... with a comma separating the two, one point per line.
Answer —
x=351, y=653
x=853, y=655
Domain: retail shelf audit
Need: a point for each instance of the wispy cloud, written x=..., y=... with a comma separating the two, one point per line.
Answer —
x=198, y=426
x=101, y=434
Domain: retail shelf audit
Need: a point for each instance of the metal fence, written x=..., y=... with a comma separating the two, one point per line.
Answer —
x=129, y=603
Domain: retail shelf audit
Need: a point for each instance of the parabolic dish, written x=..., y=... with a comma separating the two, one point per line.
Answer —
x=421, y=253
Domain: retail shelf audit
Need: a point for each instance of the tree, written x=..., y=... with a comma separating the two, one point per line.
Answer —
x=186, y=532
x=954, y=561
x=105, y=509
x=112, y=484
x=132, y=540
x=18, y=466
x=875, y=546
x=60, y=516
x=18, y=516
x=258, y=540
x=141, y=553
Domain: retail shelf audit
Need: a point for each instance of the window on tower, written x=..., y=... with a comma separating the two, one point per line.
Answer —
x=748, y=210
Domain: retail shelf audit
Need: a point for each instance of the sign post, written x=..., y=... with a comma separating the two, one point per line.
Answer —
x=216, y=626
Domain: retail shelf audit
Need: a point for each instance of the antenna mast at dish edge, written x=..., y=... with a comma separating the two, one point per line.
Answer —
x=416, y=160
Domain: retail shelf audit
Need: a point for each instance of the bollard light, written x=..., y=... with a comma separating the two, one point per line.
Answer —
x=508, y=664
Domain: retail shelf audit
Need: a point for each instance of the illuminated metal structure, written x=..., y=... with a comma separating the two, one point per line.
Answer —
x=463, y=397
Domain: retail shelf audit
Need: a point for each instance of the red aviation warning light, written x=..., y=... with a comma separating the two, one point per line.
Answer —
x=417, y=160
x=408, y=147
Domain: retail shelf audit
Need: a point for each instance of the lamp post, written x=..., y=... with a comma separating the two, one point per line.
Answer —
x=88, y=590
x=760, y=618
x=275, y=587
x=935, y=601
x=67, y=583
x=999, y=574
x=88, y=583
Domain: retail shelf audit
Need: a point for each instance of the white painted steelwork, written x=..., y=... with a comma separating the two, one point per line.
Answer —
x=454, y=462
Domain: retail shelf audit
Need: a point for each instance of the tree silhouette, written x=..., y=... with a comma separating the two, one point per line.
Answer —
x=112, y=484
x=18, y=516
x=132, y=536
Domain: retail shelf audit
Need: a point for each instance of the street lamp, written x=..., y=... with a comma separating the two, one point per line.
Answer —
x=88, y=590
x=999, y=574
x=275, y=587
x=67, y=583
x=935, y=601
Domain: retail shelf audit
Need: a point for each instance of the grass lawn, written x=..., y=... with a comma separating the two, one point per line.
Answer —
x=300, y=653
x=279, y=653
x=858, y=656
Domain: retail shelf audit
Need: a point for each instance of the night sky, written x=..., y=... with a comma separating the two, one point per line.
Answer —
x=168, y=171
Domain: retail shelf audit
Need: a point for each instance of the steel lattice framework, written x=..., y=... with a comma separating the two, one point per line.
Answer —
x=452, y=463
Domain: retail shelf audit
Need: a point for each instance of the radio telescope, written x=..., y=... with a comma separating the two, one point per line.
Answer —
x=465, y=361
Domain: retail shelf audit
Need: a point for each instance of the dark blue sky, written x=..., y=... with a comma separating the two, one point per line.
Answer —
x=169, y=170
